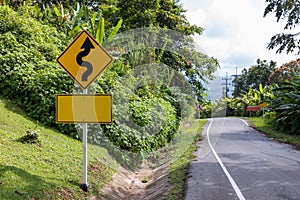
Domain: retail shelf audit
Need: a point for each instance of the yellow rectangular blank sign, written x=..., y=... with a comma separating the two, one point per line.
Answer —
x=84, y=108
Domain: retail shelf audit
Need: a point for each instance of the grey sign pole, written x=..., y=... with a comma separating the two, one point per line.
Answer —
x=84, y=186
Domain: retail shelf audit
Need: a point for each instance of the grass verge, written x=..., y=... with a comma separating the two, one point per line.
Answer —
x=259, y=124
x=179, y=168
x=48, y=166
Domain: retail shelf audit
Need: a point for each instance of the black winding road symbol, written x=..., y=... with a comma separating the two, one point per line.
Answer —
x=87, y=46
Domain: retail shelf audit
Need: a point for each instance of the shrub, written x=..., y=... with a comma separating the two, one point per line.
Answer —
x=29, y=73
x=143, y=124
x=31, y=137
x=287, y=106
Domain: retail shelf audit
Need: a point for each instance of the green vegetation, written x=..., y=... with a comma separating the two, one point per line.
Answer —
x=38, y=162
x=282, y=97
x=253, y=77
x=238, y=106
x=48, y=169
x=51, y=168
x=179, y=168
x=260, y=124
x=287, y=11
x=33, y=37
x=29, y=73
x=286, y=106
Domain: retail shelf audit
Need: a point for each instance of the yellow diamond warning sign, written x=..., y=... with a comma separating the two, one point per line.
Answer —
x=84, y=59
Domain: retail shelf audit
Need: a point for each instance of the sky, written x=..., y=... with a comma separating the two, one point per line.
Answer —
x=236, y=33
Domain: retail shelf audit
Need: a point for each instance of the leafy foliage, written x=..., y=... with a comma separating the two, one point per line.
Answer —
x=282, y=96
x=32, y=78
x=158, y=13
x=285, y=72
x=237, y=106
x=167, y=15
x=29, y=70
x=29, y=73
x=31, y=137
x=196, y=67
x=73, y=19
x=146, y=117
x=289, y=11
x=253, y=77
x=164, y=14
x=128, y=138
x=287, y=106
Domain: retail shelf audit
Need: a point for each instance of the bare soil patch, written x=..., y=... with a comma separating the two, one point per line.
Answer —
x=146, y=184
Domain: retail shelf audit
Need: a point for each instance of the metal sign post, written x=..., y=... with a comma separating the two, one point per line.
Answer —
x=84, y=186
x=84, y=60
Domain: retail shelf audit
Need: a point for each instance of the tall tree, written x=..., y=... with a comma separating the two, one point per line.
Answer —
x=286, y=72
x=165, y=14
x=169, y=15
x=144, y=13
x=253, y=77
x=288, y=10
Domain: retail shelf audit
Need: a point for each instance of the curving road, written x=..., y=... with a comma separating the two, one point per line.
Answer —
x=236, y=162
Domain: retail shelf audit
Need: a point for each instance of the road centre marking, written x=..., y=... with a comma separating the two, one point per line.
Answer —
x=234, y=185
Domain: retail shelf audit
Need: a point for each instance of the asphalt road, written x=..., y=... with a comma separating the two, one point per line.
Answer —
x=236, y=162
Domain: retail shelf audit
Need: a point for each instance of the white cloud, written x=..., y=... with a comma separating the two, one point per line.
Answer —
x=236, y=33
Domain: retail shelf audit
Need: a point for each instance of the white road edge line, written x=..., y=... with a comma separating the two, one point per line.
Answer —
x=234, y=185
x=244, y=122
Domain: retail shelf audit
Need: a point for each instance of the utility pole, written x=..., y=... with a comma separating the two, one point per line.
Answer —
x=226, y=84
x=234, y=83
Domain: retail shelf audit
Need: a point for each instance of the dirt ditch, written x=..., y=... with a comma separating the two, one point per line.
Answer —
x=146, y=184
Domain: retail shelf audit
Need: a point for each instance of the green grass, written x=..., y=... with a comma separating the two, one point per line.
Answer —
x=179, y=168
x=259, y=124
x=51, y=169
